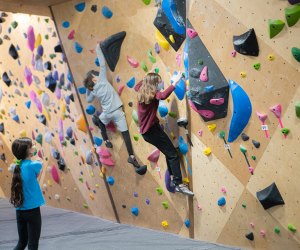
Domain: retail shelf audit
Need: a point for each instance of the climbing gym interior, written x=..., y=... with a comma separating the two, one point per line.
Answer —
x=233, y=118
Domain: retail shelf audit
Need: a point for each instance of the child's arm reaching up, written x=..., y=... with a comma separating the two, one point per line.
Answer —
x=102, y=63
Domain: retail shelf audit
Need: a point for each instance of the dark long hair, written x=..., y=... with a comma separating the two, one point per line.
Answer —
x=20, y=149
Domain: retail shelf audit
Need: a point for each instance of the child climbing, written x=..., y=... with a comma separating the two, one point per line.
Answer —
x=26, y=194
x=148, y=100
x=112, y=109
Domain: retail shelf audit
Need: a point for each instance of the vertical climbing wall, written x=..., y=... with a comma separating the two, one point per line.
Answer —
x=276, y=160
x=27, y=98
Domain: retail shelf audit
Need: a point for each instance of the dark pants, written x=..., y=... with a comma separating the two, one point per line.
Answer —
x=29, y=228
x=158, y=138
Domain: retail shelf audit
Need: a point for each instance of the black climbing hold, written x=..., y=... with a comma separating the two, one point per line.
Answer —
x=72, y=141
x=246, y=44
x=123, y=206
x=3, y=157
x=250, y=236
x=71, y=97
x=6, y=79
x=256, y=143
x=195, y=73
x=48, y=66
x=56, y=155
x=94, y=8
x=50, y=82
x=245, y=137
x=3, y=14
x=270, y=196
x=58, y=49
x=130, y=104
x=42, y=119
x=61, y=164
x=13, y=52
x=111, y=48
x=2, y=20
x=164, y=26
x=2, y=128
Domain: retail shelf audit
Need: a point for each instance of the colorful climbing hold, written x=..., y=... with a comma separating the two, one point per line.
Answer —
x=275, y=27
x=187, y=223
x=204, y=74
x=207, y=151
x=132, y=61
x=110, y=180
x=292, y=228
x=256, y=66
x=78, y=47
x=221, y=201
x=212, y=127
x=277, y=230
x=292, y=14
x=144, y=66
x=150, y=56
x=285, y=131
x=243, y=74
x=297, y=109
x=159, y=190
x=161, y=40
x=296, y=53
x=131, y=83
x=164, y=224
x=135, y=211
x=271, y=57
x=80, y=6
x=165, y=204
x=146, y=2
x=106, y=12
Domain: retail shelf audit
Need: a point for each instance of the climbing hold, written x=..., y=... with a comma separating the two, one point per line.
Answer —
x=244, y=206
x=78, y=47
x=162, y=109
x=245, y=137
x=217, y=101
x=147, y=201
x=271, y=57
x=40, y=50
x=97, y=141
x=253, y=157
x=292, y=14
x=154, y=156
x=169, y=185
x=256, y=66
x=169, y=8
x=221, y=201
x=243, y=149
x=242, y=110
x=292, y=228
x=183, y=147
x=233, y=53
x=94, y=8
x=13, y=52
x=28, y=75
x=90, y=109
x=164, y=224
x=66, y=24
x=80, y=6
x=89, y=157
x=6, y=79
x=2, y=128
x=262, y=233
x=159, y=190
x=80, y=123
x=144, y=66
x=157, y=48
x=146, y=2
x=135, y=211
x=276, y=109
x=131, y=83
x=297, y=109
x=165, y=204
x=212, y=127
x=204, y=74
x=250, y=236
x=243, y=74
x=150, y=56
x=16, y=118
x=275, y=27
x=106, y=12
x=110, y=180
x=71, y=35
x=136, y=137
x=85, y=205
x=195, y=73
x=161, y=40
x=191, y=33
x=14, y=24
x=296, y=53
x=285, y=131
x=30, y=38
x=246, y=44
x=180, y=89
x=54, y=174
x=133, y=62
x=135, y=116
x=82, y=90
x=277, y=230
x=187, y=223
x=270, y=196
x=171, y=38
x=58, y=49
x=39, y=139
x=38, y=41
x=207, y=151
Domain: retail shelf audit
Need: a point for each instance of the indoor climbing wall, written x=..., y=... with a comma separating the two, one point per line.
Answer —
x=140, y=200
x=38, y=100
x=227, y=178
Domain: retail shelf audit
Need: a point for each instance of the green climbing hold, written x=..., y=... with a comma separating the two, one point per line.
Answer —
x=135, y=117
x=253, y=157
x=46, y=20
x=14, y=24
x=136, y=137
x=244, y=205
x=292, y=14
x=256, y=66
x=297, y=109
x=52, y=56
x=296, y=53
x=156, y=70
x=39, y=139
x=150, y=56
x=46, y=158
x=292, y=228
x=46, y=37
x=64, y=143
x=165, y=204
x=85, y=205
x=172, y=114
x=144, y=66
x=285, y=131
x=147, y=2
x=75, y=152
x=277, y=230
x=159, y=190
x=243, y=149
x=80, y=179
x=222, y=134
x=275, y=27
x=200, y=62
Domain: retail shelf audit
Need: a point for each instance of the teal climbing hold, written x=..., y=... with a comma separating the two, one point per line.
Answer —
x=110, y=180
x=106, y=12
x=292, y=14
x=78, y=47
x=131, y=82
x=90, y=109
x=296, y=53
x=275, y=27
x=39, y=139
x=80, y=6
x=243, y=149
x=135, y=211
x=297, y=109
x=66, y=24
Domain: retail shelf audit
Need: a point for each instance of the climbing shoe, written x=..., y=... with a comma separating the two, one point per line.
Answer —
x=108, y=144
x=141, y=170
x=182, y=188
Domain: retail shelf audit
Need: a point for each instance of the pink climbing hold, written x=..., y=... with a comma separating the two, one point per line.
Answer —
x=154, y=156
x=200, y=132
x=251, y=170
x=71, y=35
x=103, y=152
x=262, y=233
x=121, y=88
x=262, y=117
x=191, y=33
x=133, y=62
x=32, y=95
x=233, y=53
x=276, y=109
x=178, y=59
x=54, y=174
x=224, y=190
x=216, y=101
x=30, y=38
x=204, y=74
x=107, y=161
x=58, y=93
x=203, y=112
x=252, y=224
x=28, y=75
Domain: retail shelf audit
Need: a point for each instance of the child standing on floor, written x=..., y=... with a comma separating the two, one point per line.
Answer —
x=26, y=194
x=112, y=108
x=148, y=100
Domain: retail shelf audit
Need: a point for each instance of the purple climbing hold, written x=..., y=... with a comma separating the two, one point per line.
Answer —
x=292, y=2
x=40, y=50
x=147, y=201
x=135, y=194
x=169, y=187
x=28, y=75
x=157, y=48
x=30, y=38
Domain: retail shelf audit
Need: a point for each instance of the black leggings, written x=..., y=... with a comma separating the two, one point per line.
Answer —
x=29, y=228
x=157, y=137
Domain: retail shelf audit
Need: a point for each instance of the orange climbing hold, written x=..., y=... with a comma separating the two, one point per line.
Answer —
x=81, y=125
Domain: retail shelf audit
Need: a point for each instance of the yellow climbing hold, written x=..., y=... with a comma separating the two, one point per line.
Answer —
x=46, y=114
x=22, y=133
x=207, y=151
x=168, y=99
x=97, y=185
x=38, y=41
x=212, y=127
x=39, y=91
x=161, y=40
x=171, y=37
x=81, y=125
x=62, y=110
x=49, y=183
x=186, y=180
x=243, y=74
x=187, y=82
x=101, y=174
x=271, y=57
x=92, y=196
x=172, y=136
x=164, y=224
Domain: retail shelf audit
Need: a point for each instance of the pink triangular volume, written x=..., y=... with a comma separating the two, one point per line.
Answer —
x=54, y=174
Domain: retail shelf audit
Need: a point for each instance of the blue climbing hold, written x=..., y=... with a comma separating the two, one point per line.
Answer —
x=28, y=104
x=80, y=6
x=162, y=109
x=186, y=59
x=170, y=9
x=107, y=12
x=180, y=89
x=70, y=77
x=16, y=118
x=110, y=180
x=209, y=88
x=187, y=223
x=221, y=201
x=97, y=62
x=78, y=47
x=135, y=211
x=131, y=82
x=242, y=110
x=90, y=109
x=97, y=140
x=69, y=132
x=82, y=90
x=66, y=24
x=183, y=147
x=40, y=50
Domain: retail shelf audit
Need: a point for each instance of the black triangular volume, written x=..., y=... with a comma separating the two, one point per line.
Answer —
x=270, y=196
x=48, y=65
x=58, y=49
x=13, y=52
x=71, y=97
x=111, y=48
x=250, y=236
x=2, y=128
x=2, y=20
x=164, y=26
x=42, y=119
x=246, y=44
x=6, y=79
x=210, y=98
x=50, y=82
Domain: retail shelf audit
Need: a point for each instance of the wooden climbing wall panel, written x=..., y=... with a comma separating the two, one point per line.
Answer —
x=277, y=158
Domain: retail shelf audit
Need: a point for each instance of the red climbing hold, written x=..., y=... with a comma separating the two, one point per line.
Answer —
x=133, y=62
